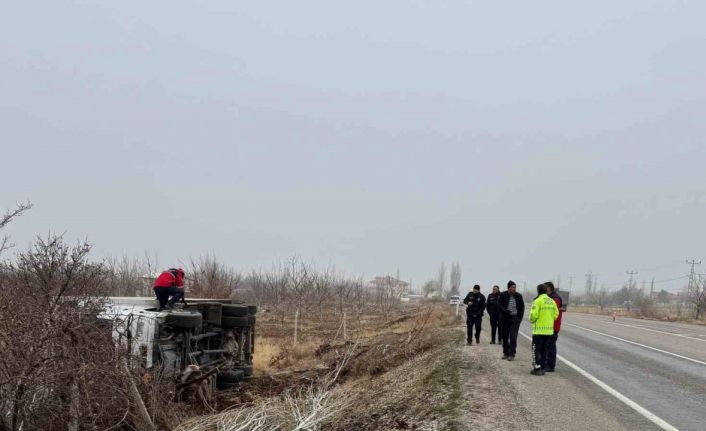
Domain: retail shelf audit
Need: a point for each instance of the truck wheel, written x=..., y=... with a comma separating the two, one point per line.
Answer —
x=226, y=386
x=184, y=320
x=234, y=310
x=252, y=310
x=231, y=376
x=246, y=369
x=235, y=322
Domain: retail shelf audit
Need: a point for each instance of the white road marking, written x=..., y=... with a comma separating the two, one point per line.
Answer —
x=696, y=361
x=625, y=400
x=646, y=329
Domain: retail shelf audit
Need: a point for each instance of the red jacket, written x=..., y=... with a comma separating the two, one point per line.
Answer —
x=557, y=300
x=167, y=279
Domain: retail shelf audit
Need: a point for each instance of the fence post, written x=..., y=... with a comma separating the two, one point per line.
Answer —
x=296, y=325
x=345, y=335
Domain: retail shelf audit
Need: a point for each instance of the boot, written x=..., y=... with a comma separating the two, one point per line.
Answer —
x=537, y=372
x=477, y=340
x=469, y=342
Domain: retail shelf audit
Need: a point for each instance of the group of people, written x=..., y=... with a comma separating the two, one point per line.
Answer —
x=506, y=311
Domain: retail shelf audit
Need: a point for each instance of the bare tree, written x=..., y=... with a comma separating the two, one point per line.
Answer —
x=323, y=284
x=430, y=287
x=6, y=218
x=602, y=297
x=696, y=295
x=300, y=276
x=359, y=295
x=57, y=357
x=455, y=278
x=209, y=278
x=128, y=276
x=441, y=278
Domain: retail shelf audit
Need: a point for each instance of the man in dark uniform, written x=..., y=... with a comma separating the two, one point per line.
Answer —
x=494, y=313
x=475, y=302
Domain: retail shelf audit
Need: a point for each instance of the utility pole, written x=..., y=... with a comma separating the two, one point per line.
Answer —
x=652, y=288
x=571, y=282
x=589, y=283
x=631, y=274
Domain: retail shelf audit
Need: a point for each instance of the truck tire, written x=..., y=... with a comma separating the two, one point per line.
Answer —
x=231, y=376
x=184, y=320
x=246, y=369
x=226, y=386
x=252, y=310
x=235, y=322
x=234, y=310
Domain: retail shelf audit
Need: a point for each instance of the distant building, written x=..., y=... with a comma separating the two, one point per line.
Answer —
x=388, y=282
x=388, y=287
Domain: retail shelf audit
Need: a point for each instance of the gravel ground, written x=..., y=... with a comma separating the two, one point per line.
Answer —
x=502, y=395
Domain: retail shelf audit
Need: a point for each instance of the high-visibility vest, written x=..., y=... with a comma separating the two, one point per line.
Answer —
x=543, y=314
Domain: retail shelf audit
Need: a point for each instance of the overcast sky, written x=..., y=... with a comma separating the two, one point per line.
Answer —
x=523, y=139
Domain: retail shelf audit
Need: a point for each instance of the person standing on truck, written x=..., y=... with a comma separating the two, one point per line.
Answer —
x=550, y=362
x=494, y=313
x=475, y=302
x=170, y=283
x=512, y=308
x=543, y=314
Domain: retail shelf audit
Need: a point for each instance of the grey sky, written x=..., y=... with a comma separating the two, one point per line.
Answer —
x=523, y=139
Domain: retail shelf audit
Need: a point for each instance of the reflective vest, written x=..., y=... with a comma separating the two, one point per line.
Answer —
x=543, y=314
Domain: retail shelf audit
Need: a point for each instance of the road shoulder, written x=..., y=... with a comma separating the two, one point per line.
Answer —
x=558, y=401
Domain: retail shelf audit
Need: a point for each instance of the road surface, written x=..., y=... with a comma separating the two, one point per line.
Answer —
x=659, y=367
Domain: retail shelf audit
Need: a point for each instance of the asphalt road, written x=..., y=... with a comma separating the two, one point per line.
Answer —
x=660, y=366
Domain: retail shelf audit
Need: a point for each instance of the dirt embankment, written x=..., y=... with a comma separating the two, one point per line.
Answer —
x=423, y=393
x=399, y=372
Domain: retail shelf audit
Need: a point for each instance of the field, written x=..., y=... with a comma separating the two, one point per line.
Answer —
x=663, y=312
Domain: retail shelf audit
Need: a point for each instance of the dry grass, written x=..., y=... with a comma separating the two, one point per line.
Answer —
x=289, y=391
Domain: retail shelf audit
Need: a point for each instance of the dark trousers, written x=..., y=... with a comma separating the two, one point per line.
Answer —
x=163, y=294
x=539, y=350
x=509, y=327
x=550, y=361
x=473, y=321
x=494, y=327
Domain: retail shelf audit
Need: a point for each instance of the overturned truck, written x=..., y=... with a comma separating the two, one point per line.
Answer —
x=215, y=336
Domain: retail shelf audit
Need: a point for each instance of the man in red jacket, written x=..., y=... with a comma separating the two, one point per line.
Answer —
x=169, y=283
x=550, y=361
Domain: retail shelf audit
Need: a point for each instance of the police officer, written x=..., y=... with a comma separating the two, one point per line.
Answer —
x=542, y=316
x=475, y=302
x=550, y=360
x=494, y=313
